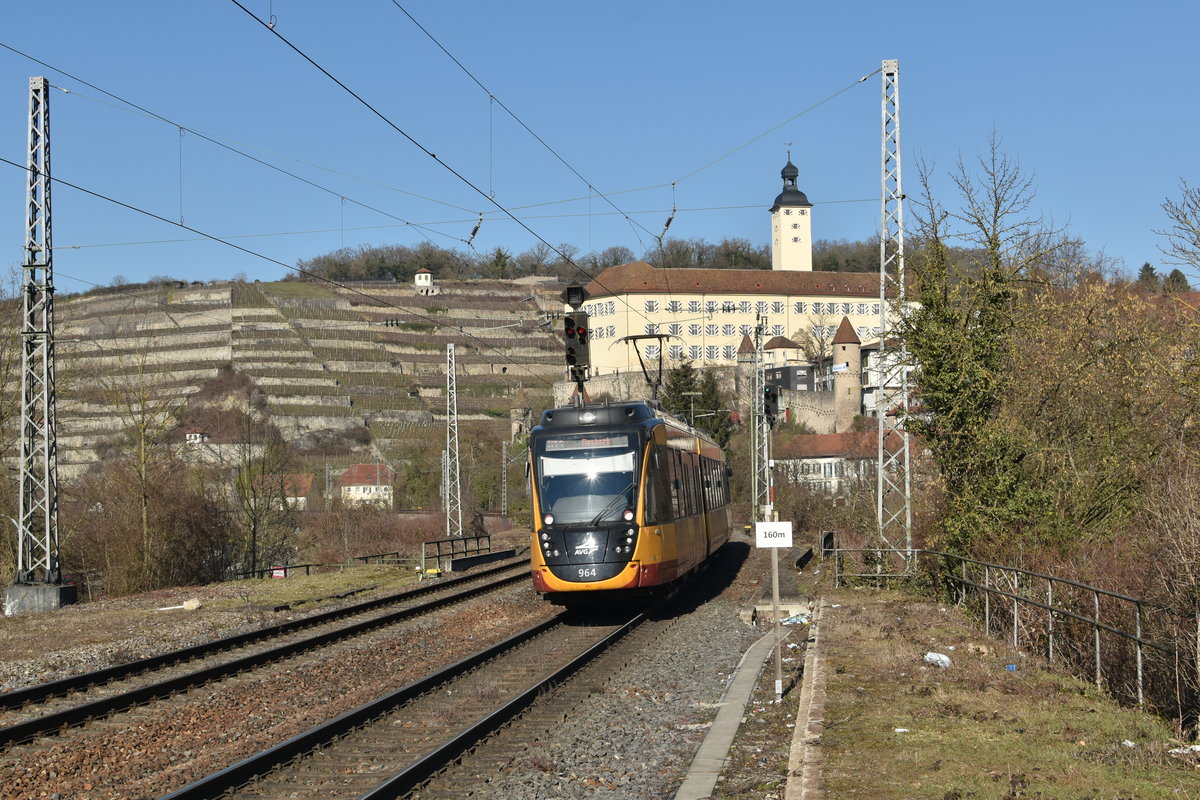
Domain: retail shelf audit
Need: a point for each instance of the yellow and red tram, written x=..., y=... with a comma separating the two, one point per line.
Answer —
x=626, y=500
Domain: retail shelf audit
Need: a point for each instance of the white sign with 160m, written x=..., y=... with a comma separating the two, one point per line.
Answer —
x=773, y=534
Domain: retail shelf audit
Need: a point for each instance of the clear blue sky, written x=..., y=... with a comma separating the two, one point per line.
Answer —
x=1096, y=100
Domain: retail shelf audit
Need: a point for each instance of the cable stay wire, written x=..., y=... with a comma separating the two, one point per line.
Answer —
x=458, y=221
x=442, y=163
x=234, y=143
x=774, y=128
x=493, y=99
x=299, y=271
x=129, y=104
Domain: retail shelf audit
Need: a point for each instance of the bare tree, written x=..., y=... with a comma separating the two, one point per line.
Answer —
x=1183, y=237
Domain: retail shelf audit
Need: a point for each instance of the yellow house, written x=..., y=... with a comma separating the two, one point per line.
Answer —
x=706, y=313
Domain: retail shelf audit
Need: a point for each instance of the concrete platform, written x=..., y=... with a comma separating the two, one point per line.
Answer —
x=32, y=597
x=706, y=767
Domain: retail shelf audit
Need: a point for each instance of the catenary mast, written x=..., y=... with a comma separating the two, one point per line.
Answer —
x=893, y=509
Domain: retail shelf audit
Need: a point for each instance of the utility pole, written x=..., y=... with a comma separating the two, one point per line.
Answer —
x=453, y=504
x=38, y=585
x=893, y=511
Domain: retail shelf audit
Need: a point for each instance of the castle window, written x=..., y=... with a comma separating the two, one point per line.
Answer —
x=730, y=352
x=651, y=351
x=675, y=306
x=675, y=329
x=651, y=328
x=745, y=330
x=795, y=238
x=777, y=330
x=694, y=330
x=712, y=330
x=800, y=307
x=693, y=306
x=712, y=352
x=787, y=211
x=795, y=224
x=676, y=351
x=862, y=308
x=729, y=330
x=760, y=307
x=711, y=306
x=777, y=307
x=695, y=352
x=744, y=306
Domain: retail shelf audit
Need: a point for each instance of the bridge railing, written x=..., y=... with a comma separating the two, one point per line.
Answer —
x=1136, y=649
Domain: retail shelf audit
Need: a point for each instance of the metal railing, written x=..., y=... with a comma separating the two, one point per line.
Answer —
x=284, y=570
x=1133, y=648
x=454, y=547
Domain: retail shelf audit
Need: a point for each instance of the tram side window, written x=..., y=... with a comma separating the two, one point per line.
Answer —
x=689, y=470
x=710, y=488
x=675, y=470
x=658, y=494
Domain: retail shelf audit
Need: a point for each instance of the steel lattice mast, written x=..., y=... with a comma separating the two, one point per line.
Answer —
x=762, y=433
x=893, y=509
x=453, y=494
x=37, y=549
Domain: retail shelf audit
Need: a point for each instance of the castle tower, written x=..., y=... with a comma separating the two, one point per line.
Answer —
x=791, y=225
x=847, y=377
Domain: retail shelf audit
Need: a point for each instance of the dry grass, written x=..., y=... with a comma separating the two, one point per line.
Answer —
x=977, y=729
x=224, y=606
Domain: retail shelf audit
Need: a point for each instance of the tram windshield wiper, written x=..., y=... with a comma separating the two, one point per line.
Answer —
x=620, y=496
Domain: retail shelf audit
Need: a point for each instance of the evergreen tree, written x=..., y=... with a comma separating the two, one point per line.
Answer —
x=674, y=398
x=1176, y=281
x=1148, y=278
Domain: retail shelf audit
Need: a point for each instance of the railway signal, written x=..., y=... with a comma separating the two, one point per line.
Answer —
x=771, y=403
x=576, y=334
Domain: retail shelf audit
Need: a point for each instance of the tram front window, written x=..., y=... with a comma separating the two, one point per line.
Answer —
x=586, y=478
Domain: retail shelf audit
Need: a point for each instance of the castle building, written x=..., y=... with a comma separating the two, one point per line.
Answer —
x=705, y=313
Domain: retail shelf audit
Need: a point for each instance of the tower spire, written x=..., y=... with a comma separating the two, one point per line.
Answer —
x=791, y=224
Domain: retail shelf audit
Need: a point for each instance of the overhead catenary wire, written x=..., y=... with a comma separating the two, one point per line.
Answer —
x=492, y=98
x=441, y=162
x=457, y=221
x=225, y=142
x=299, y=271
x=129, y=104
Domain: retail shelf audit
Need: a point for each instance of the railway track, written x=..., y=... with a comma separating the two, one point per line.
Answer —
x=392, y=745
x=51, y=708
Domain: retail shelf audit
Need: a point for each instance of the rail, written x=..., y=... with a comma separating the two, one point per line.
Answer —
x=1047, y=613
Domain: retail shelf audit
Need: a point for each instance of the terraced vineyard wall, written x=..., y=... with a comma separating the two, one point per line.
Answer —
x=362, y=367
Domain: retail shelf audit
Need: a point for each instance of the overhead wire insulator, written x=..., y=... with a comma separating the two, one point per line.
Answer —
x=475, y=230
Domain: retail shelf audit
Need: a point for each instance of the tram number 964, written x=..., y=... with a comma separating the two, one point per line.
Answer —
x=586, y=572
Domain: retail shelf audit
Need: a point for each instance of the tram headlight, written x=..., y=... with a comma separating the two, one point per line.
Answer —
x=548, y=519
x=628, y=515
